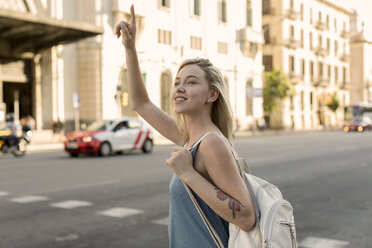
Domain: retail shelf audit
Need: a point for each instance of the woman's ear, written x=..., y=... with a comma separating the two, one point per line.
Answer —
x=213, y=95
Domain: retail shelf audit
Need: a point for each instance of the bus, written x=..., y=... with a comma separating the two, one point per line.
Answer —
x=357, y=110
x=357, y=117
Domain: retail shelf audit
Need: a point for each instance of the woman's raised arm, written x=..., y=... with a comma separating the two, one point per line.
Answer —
x=138, y=96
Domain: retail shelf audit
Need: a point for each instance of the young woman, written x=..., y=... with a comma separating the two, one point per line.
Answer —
x=200, y=107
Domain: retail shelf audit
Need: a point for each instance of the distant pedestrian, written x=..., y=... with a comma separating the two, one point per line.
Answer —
x=200, y=106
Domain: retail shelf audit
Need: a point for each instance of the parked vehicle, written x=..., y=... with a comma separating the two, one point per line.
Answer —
x=106, y=136
x=359, y=124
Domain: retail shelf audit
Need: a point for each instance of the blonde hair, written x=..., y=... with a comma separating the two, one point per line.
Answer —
x=221, y=112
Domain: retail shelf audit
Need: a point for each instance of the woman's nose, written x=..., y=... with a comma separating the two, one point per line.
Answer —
x=180, y=88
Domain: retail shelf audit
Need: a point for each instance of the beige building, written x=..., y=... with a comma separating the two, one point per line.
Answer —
x=310, y=42
x=361, y=69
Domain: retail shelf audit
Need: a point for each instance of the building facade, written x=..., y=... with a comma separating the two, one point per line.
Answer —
x=310, y=42
x=226, y=32
x=87, y=80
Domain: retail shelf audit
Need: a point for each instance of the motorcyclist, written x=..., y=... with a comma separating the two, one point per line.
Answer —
x=12, y=138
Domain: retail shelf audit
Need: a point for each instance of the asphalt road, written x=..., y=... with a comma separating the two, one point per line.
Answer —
x=48, y=199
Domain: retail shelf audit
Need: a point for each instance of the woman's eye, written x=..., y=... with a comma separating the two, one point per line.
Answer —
x=191, y=82
x=176, y=84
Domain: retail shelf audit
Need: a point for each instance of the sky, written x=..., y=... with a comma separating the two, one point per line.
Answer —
x=364, y=8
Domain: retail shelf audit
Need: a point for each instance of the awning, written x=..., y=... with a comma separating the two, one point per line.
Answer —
x=24, y=33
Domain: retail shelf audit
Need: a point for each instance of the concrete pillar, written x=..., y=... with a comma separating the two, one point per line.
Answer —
x=38, y=99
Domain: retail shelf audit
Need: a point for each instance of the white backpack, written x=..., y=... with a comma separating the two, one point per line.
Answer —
x=275, y=227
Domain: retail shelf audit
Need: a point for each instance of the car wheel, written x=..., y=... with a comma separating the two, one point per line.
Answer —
x=105, y=149
x=147, y=147
x=73, y=155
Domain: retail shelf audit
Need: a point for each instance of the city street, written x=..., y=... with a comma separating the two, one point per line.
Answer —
x=48, y=199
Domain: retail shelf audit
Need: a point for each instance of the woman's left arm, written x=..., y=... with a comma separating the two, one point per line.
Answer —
x=229, y=196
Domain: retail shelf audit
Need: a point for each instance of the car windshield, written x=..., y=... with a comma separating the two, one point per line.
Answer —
x=99, y=125
x=358, y=120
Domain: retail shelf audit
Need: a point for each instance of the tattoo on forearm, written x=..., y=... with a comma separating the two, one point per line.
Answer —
x=234, y=205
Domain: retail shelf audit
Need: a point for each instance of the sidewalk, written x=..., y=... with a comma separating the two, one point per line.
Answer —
x=45, y=140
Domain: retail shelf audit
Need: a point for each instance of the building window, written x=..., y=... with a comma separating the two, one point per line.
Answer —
x=320, y=69
x=268, y=62
x=249, y=13
x=311, y=100
x=266, y=32
x=266, y=7
x=164, y=3
x=291, y=31
x=197, y=9
x=311, y=16
x=302, y=100
x=164, y=37
x=327, y=21
x=336, y=48
x=344, y=75
x=311, y=70
x=328, y=45
x=302, y=38
x=319, y=16
x=222, y=47
x=302, y=11
x=302, y=67
x=311, y=40
x=291, y=64
x=222, y=14
x=335, y=24
x=320, y=40
x=165, y=91
x=195, y=43
x=329, y=72
x=291, y=4
x=248, y=98
x=336, y=74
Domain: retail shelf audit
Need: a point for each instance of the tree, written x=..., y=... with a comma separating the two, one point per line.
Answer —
x=334, y=103
x=277, y=87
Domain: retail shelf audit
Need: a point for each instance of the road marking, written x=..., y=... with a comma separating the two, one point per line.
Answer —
x=69, y=237
x=120, y=212
x=29, y=199
x=2, y=193
x=314, y=242
x=71, y=204
x=163, y=221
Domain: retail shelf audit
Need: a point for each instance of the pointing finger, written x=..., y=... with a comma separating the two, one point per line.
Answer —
x=133, y=16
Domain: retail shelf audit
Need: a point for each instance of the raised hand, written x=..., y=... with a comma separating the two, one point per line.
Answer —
x=127, y=30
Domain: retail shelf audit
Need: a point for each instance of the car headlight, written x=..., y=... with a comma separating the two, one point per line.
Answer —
x=87, y=139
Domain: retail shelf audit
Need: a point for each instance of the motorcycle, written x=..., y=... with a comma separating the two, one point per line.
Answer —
x=18, y=149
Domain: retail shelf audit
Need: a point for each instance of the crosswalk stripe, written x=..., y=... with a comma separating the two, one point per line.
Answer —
x=163, y=221
x=29, y=199
x=70, y=204
x=315, y=242
x=120, y=212
x=2, y=193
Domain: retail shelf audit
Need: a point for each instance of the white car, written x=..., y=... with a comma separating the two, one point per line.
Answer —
x=107, y=136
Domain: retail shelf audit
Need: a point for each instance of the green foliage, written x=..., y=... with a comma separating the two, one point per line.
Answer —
x=334, y=103
x=277, y=87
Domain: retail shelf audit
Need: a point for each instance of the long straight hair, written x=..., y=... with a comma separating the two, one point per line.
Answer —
x=221, y=112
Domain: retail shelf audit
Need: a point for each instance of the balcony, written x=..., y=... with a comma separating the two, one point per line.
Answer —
x=321, y=81
x=321, y=25
x=345, y=34
x=292, y=14
x=268, y=11
x=344, y=57
x=292, y=43
x=294, y=77
x=247, y=34
x=321, y=51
